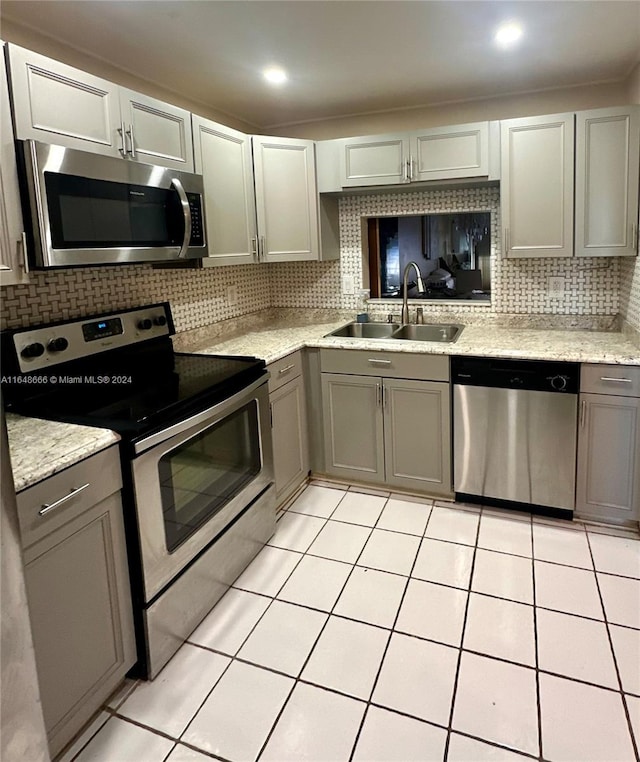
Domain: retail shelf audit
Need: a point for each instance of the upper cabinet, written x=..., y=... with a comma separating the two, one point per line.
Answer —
x=56, y=103
x=607, y=171
x=286, y=199
x=440, y=153
x=261, y=198
x=540, y=158
x=536, y=190
x=12, y=253
x=223, y=158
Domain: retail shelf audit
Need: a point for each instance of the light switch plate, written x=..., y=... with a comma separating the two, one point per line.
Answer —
x=555, y=287
x=348, y=285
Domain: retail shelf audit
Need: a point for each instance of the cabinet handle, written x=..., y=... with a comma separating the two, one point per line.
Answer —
x=254, y=248
x=50, y=506
x=263, y=246
x=506, y=242
x=617, y=380
x=25, y=258
x=408, y=170
x=375, y=361
x=383, y=397
x=411, y=167
x=121, y=132
x=282, y=371
x=132, y=148
x=378, y=395
x=583, y=413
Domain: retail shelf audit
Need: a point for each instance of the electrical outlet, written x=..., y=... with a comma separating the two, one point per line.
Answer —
x=555, y=287
x=232, y=295
x=348, y=285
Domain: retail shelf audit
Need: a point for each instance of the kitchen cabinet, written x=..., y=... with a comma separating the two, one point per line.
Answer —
x=261, y=198
x=536, y=192
x=77, y=582
x=440, y=153
x=607, y=174
x=541, y=155
x=288, y=425
x=385, y=424
x=608, y=473
x=13, y=261
x=59, y=104
x=223, y=158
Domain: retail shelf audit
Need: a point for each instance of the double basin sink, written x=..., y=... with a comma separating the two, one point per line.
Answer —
x=443, y=332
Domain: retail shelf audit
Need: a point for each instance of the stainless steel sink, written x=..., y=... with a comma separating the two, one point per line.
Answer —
x=445, y=332
x=366, y=330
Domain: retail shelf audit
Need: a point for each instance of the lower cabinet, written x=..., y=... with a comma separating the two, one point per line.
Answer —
x=77, y=582
x=288, y=425
x=393, y=431
x=608, y=476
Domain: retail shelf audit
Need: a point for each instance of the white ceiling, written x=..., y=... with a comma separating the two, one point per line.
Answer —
x=344, y=57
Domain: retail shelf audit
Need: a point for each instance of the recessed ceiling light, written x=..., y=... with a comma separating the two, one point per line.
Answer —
x=508, y=34
x=275, y=75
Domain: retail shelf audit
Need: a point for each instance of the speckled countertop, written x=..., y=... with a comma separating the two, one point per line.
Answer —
x=40, y=448
x=273, y=340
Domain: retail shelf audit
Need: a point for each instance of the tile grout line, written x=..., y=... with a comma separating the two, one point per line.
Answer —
x=635, y=743
x=297, y=678
x=460, y=648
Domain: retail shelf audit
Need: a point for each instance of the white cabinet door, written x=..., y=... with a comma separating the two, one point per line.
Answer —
x=56, y=103
x=353, y=427
x=376, y=160
x=607, y=173
x=417, y=434
x=608, y=477
x=446, y=153
x=156, y=132
x=289, y=435
x=537, y=186
x=12, y=254
x=223, y=158
x=286, y=199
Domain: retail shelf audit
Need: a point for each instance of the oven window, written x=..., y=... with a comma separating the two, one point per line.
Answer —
x=198, y=478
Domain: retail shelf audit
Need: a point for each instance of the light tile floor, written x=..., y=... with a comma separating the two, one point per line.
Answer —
x=378, y=628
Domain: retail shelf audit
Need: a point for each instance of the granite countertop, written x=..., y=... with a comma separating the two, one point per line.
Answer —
x=272, y=341
x=40, y=448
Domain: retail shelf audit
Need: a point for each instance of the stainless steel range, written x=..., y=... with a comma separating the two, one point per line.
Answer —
x=196, y=454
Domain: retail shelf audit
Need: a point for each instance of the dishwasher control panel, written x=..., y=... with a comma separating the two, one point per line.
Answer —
x=530, y=375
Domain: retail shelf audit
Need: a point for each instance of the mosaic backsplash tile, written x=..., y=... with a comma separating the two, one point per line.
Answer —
x=198, y=297
x=593, y=287
x=519, y=286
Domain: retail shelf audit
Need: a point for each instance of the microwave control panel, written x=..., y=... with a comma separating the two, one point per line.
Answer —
x=195, y=204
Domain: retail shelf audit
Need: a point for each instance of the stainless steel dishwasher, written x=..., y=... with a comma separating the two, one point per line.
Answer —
x=515, y=431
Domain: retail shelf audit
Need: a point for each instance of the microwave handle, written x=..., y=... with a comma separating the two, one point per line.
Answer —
x=186, y=210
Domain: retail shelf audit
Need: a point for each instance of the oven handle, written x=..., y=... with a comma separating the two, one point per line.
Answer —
x=186, y=210
x=179, y=428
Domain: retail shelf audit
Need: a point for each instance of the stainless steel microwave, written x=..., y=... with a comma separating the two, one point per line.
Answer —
x=88, y=209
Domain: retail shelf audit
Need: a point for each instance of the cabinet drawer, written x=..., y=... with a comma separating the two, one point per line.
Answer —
x=385, y=364
x=285, y=369
x=621, y=380
x=101, y=472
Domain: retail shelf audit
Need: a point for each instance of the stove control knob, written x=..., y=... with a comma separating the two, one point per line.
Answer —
x=58, y=345
x=33, y=350
x=160, y=320
x=559, y=383
x=145, y=325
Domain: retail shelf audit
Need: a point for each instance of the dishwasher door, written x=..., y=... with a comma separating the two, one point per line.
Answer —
x=517, y=445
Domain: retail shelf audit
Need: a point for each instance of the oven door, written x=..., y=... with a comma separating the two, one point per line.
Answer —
x=192, y=480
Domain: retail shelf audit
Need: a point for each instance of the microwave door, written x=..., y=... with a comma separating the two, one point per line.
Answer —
x=99, y=210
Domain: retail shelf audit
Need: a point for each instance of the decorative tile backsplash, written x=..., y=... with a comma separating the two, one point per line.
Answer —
x=596, y=287
x=519, y=286
x=198, y=297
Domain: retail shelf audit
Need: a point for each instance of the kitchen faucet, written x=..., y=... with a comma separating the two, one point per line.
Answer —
x=419, y=286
